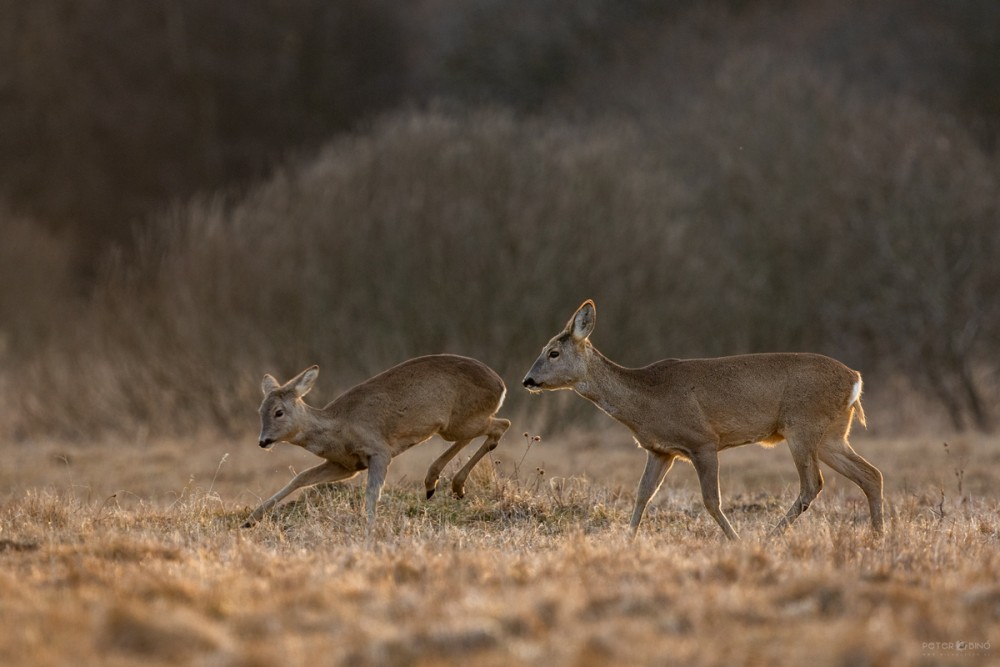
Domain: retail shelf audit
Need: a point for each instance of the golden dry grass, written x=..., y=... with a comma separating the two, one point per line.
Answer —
x=118, y=553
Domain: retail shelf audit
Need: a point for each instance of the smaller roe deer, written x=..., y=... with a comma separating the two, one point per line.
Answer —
x=694, y=408
x=366, y=426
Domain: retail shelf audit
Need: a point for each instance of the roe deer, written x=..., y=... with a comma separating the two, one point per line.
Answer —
x=366, y=426
x=694, y=408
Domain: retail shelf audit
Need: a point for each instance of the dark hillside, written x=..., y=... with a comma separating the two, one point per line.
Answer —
x=721, y=177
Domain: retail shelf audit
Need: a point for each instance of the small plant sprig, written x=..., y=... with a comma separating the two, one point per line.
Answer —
x=529, y=441
x=959, y=470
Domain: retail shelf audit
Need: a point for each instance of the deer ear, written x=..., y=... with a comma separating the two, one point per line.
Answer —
x=583, y=321
x=304, y=381
x=269, y=384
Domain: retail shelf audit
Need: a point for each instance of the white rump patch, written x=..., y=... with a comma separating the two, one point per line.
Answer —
x=855, y=393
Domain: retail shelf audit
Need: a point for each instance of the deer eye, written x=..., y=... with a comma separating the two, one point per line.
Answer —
x=279, y=413
x=553, y=354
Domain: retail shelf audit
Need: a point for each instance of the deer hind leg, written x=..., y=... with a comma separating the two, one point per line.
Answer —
x=494, y=432
x=804, y=452
x=434, y=472
x=378, y=467
x=707, y=466
x=657, y=467
x=324, y=472
x=838, y=454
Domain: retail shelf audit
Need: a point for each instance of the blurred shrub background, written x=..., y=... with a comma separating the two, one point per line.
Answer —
x=192, y=194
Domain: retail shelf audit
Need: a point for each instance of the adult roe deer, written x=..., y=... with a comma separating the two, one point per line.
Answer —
x=366, y=426
x=694, y=408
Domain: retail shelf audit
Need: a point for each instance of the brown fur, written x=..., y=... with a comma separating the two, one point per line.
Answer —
x=367, y=426
x=694, y=408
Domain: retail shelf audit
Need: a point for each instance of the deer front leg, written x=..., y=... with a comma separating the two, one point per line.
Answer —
x=657, y=466
x=324, y=472
x=707, y=466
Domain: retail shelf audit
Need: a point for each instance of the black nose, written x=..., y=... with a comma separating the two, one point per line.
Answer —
x=530, y=382
x=266, y=442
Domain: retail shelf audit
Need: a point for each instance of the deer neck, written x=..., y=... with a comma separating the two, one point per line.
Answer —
x=314, y=428
x=609, y=386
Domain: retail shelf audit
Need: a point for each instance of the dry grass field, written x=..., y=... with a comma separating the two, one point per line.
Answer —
x=124, y=553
